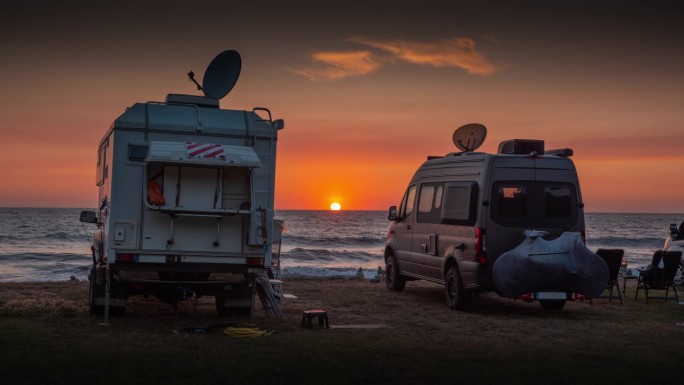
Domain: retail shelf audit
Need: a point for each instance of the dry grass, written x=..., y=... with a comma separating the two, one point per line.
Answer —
x=46, y=324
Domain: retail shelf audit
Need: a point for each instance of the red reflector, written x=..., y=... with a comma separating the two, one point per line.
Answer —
x=480, y=253
x=125, y=257
x=255, y=261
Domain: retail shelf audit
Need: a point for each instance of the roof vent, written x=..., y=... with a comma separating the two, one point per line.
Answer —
x=521, y=146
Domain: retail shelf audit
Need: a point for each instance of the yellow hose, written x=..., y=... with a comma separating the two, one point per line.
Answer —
x=245, y=332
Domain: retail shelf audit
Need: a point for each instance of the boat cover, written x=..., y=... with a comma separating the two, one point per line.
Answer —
x=562, y=264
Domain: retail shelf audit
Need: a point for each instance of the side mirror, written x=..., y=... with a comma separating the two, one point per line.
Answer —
x=278, y=124
x=392, y=215
x=88, y=217
x=674, y=231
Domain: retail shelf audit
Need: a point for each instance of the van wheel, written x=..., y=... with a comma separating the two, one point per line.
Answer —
x=393, y=280
x=456, y=296
x=552, y=304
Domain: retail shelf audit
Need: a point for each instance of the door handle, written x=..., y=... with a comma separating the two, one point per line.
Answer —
x=408, y=227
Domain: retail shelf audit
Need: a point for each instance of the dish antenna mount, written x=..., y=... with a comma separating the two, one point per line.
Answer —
x=220, y=76
x=470, y=137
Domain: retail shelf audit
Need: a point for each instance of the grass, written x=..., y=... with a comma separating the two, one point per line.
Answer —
x=46, y=336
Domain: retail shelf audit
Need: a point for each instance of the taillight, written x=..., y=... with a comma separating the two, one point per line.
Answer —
x=480, y=245
x=255, y=261
x=125, y=257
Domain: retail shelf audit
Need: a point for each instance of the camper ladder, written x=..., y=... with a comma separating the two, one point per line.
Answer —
x=268, y=297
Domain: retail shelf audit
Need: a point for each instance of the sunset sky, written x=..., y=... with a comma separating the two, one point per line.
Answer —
x=366, y=91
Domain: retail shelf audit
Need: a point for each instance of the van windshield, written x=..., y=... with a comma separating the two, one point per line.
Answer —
x=534, y=204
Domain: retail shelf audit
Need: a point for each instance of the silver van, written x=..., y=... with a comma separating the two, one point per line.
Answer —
x=460, y=212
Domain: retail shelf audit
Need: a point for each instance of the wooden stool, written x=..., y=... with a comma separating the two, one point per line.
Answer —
x=322, y=316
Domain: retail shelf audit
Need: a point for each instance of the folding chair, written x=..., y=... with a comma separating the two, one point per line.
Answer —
x=613, y=259
x=657, y=278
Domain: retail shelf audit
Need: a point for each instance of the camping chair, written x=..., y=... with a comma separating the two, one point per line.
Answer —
x=613, y=259
x=657, y=278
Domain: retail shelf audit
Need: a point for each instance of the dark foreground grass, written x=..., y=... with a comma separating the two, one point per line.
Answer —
x=47, y=337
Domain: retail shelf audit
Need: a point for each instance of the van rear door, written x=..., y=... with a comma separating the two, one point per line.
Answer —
x=531, y=194
x=511, y=204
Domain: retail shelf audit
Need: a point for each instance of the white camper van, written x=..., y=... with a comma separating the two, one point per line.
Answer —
x=460, y=212
x=186, y=193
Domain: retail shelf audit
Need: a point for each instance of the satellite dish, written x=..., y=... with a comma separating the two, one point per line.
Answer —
x=222, y=74
x=470, y=137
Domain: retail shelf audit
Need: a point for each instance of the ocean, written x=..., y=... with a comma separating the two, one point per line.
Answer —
x=50, y=244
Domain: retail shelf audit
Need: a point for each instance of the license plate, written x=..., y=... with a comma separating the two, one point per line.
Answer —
x=550, y=295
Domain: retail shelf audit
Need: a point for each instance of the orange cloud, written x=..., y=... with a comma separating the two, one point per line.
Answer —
x=338, y=65
x=455, y=52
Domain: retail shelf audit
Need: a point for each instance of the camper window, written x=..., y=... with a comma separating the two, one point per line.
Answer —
x=101, y=164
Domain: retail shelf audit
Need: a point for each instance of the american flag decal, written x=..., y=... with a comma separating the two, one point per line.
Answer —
x=204, y=150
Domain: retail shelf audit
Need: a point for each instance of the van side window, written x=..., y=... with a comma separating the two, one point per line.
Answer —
x=427, y=193
x=438, y=196
x=407, y=205
x=459, y=206
x=429, y=202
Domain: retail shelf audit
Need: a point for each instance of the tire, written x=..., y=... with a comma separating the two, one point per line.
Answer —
x=456, y=296
x=552, y=304
x=393, y=279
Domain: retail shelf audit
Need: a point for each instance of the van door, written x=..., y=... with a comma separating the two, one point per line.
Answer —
x=427, y=262
x=558, y=197
x=404, y=230
x=512, y=204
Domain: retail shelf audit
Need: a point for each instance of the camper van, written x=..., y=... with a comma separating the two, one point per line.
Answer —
x=462, y=211
x=186, y=193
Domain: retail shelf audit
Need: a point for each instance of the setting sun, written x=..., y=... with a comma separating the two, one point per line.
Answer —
x=335, y=206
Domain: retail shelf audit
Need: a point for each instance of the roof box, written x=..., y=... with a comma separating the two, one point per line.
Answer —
x=521, y=146
x=200, y=101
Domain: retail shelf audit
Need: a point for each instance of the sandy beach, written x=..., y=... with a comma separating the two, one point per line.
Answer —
x=376, y=336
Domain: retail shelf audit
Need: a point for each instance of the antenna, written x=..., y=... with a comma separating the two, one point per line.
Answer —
x=470, y=137
x=221, y=75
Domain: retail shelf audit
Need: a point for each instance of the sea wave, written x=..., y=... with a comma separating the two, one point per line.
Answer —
x=301, y=254
x=628, y=242
x=328, y=272
x=335, y=240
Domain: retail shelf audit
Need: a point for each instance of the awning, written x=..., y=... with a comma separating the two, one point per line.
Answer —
x=205, y=154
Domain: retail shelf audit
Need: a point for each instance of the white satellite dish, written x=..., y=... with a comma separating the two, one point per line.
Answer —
x=470, y=137
x=222, y=74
